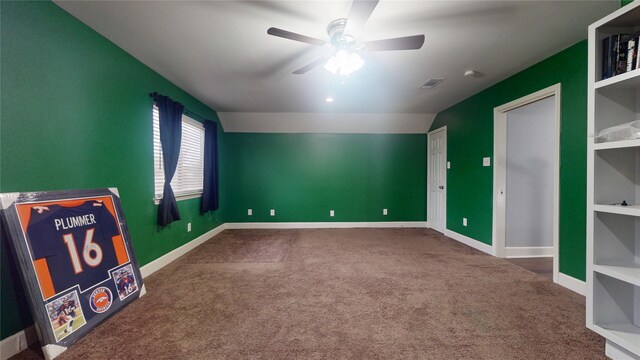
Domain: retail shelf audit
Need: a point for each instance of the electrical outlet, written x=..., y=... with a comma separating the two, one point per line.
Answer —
x=332, y=213
x=384, y=212
x=272, y=212
x=448, y=164
x=249, y=212
x=188, y=227
x=486, y=161
x=464, y=221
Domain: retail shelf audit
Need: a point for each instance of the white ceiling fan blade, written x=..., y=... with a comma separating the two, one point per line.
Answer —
x=360, y=12
x=294, y=36
x=311, y=66
x=402, y=43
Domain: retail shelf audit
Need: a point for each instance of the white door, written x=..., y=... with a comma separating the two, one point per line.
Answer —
x=518, y=231
x=530, y=173
x=437, y=180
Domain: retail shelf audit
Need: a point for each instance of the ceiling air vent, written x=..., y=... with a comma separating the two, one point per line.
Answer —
x=431, y=83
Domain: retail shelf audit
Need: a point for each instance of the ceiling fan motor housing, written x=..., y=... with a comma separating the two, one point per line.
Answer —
x=335, y=29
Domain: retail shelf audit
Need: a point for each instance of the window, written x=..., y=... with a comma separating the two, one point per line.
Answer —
x=187, y=181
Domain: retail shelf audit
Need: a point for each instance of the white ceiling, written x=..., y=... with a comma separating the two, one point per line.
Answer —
x=219, y=51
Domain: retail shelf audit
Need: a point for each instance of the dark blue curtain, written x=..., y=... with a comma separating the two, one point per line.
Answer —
x=170, y=137
x=210, y=199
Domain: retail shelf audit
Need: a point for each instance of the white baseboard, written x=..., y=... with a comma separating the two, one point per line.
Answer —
x=52, y=351
x=572, y=284
x=167, y=258
x=617, y=352
x=326, y=225
x=18, y=342
x=469, y=241
x=528, y=252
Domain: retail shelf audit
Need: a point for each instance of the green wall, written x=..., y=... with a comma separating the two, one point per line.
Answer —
x=303, y=176
x=76, y=114
x=470, y=137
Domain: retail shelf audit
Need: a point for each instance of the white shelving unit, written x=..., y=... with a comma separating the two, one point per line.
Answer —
x=613, y=176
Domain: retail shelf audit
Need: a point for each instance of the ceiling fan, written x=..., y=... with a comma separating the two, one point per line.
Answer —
x=343, y=34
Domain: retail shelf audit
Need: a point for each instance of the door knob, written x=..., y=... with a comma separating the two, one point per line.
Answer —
x=441, y=187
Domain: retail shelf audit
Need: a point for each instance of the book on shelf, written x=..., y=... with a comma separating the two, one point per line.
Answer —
x=607, y=51
x=631, y=54
x=620, y=54
x=636, y=55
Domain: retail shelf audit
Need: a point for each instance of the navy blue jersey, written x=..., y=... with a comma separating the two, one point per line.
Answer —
x=75, y=241
x=68, y=308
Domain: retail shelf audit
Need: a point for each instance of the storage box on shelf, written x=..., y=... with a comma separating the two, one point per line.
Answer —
x=613, y=185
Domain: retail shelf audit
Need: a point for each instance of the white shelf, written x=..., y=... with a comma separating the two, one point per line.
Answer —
x=629, y=273
x=626, y=335
x=630, y=79
x=617, y=144
x=613, y=175
x=632, y=210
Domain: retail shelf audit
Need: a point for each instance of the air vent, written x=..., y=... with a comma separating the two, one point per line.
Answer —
x=431, y=83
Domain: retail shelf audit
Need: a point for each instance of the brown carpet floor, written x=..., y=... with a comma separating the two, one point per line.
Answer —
x=343, y=294
x=542, y=266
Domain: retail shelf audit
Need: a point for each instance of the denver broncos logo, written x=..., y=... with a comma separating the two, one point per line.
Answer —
x=101, y=299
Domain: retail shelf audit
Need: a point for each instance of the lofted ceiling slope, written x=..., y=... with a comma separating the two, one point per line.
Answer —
x=220, y=52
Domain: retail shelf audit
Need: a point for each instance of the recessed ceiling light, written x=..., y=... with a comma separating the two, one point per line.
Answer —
x=329, y=99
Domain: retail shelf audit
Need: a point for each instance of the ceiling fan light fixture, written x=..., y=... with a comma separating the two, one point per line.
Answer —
x=343, y=33
x=344, y=62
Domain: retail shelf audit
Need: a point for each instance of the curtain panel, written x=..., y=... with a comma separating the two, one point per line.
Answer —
x=210, y=198
x=170, y=136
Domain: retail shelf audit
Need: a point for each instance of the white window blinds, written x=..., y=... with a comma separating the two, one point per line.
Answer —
x=189, y=173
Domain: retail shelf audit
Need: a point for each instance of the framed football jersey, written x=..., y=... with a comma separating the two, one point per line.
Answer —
x=76, y=260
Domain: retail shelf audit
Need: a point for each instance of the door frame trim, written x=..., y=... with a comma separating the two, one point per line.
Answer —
x=429, y=134
x=500, y=170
